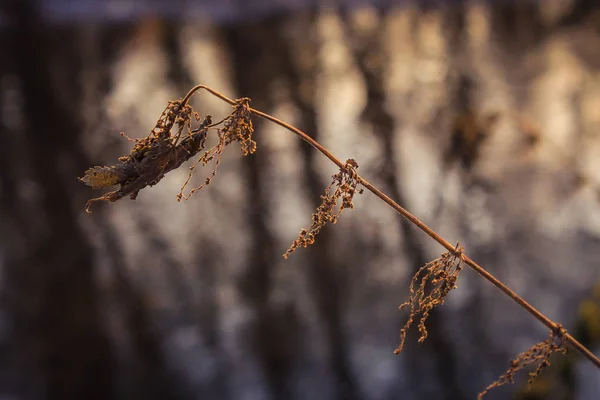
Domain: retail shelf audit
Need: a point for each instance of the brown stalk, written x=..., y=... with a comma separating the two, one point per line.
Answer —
x=162, y=151
x=554, y=327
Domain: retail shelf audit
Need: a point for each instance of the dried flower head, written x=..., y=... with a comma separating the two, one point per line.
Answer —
x=153, y=156
x=237, y=127
x=345, y=183
x=438, y=278
x=163, y=150
x=539, y=353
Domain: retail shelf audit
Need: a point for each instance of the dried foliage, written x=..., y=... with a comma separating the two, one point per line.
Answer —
x=237, y=127
x=539, y=353
x=345, y=183
x=163, y=151
x=435, y=280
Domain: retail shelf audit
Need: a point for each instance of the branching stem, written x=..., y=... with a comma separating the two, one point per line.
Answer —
x=415, y=221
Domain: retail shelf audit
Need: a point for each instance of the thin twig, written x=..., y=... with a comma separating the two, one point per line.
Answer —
x=414, y=220
x=268, y=117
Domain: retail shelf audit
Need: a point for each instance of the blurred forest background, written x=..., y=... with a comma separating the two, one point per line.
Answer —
x=482, y=118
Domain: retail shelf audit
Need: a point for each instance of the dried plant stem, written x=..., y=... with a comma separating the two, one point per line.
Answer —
x=279, y=122
x=481, y=271
x=415, y=221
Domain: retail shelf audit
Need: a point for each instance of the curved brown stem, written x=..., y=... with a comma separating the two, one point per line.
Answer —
x=421, y=225
x=211, y=91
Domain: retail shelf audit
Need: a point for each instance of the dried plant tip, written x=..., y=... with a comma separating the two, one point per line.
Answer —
x=538, y=354
x=435, y=280
x=100, y=177
x=151, y=157
x=345, y=183
x=237, y=127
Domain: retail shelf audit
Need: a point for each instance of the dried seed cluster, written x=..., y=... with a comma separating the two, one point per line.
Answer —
x=435, y=280
x=539, y=353
x=163, y=150
x=345, y=183
x=237, y=127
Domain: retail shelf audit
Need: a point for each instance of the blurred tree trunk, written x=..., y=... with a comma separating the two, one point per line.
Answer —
x=516, y=27
x=256, y=57
x=301, y=68
x=177, y=72
x=142, y=370
x=146, y=374
x=51, y=297
x=368, y=49
x=582, y=11
x=207, y=314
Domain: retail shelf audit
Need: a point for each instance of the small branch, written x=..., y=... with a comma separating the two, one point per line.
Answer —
x=211, y=91
x=268, y=117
